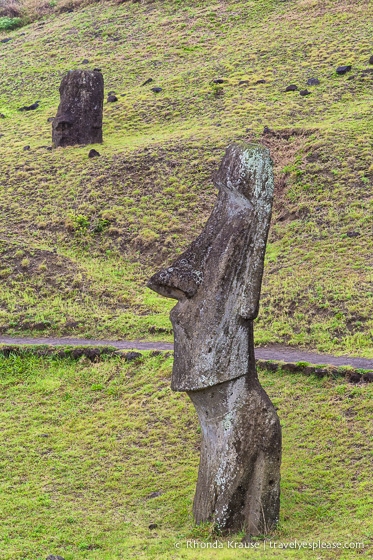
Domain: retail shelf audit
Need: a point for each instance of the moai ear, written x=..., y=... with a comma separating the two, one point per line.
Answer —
x=250, y=294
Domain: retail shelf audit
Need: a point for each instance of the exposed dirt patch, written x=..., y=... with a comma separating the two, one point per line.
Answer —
x=285, y=145
x=19, y=263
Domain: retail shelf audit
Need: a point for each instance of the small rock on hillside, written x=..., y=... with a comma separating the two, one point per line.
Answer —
x=93, y=153
x=343, y=69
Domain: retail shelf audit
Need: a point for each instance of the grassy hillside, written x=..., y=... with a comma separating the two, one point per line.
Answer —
x=93, y=453
x=79, y=237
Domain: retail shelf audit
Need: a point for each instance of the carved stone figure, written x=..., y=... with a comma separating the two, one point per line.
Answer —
x=79, y=115
x=217, y=283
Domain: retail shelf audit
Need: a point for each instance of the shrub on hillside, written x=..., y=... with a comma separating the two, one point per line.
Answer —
x=9, y=23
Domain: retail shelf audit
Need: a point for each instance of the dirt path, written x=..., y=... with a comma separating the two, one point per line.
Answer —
x=120, y=344
x=272, y=352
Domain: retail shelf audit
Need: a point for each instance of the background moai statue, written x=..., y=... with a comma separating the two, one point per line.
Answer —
x=79, y=115
x=217, y=283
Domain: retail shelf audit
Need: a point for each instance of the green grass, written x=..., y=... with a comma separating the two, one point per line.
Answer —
x=115, y=220
x=83, y=446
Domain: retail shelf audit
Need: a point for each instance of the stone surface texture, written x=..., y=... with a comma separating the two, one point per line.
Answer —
x=238, y=483
x=79, y=115
x=217, y=283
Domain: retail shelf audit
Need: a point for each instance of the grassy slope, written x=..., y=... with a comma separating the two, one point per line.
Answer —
x=83, y=445
x=114, y=219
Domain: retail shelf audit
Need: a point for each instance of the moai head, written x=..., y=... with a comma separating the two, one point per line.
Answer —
x=79, y=115
x=217, y=280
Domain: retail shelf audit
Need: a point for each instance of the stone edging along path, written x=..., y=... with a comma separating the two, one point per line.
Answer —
x=272, y=357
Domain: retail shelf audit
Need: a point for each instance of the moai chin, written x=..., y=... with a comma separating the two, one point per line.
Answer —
x=79, y=115
x=217, y=283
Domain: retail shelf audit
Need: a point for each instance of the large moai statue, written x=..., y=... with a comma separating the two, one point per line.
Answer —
x=217, y=283
x=79, y=115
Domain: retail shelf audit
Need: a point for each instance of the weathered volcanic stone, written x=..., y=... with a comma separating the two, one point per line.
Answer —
x=148, y=81
x=343, y=69
x=79, y=115
x=217, y=283
x=31, y=107
x=313, y=82
x=93, y=153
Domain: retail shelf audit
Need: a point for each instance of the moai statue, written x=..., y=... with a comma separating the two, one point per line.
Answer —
x=217, y=283
x=79, y=115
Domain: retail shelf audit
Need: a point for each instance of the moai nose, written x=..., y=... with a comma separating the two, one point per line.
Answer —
x=178, y=281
